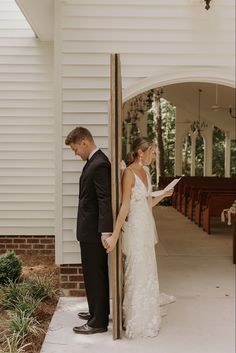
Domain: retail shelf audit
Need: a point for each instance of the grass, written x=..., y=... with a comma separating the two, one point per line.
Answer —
x=22, y=300
x=13, y=344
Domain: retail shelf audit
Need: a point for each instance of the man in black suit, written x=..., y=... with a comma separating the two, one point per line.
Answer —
x=94, y=224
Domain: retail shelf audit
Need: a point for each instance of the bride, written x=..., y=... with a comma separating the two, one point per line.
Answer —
x=142, y=299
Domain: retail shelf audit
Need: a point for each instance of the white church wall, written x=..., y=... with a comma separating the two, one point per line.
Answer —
x=27, y=191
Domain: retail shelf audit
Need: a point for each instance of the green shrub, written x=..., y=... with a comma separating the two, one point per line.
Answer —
x=10, y=267
x=14, y=344
x=17, y=296
x=42, y=287
x=22, y=324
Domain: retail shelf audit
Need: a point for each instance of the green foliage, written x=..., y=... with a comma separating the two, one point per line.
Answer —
x=233, y=158
x=22, y=298
x=218, y=152
x=186, y=155
x=168, y=113
x=22, y=324
x=12, y=293
x=168, y=128
x=17, y=298
x=14, y=344
x=199, y=156
x=41, y=287
x=26, y=295
x=10, y=267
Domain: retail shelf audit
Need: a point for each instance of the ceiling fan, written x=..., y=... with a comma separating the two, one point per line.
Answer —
x=216, y=107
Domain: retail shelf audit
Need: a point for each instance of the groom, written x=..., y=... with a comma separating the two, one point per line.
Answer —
x=94, y=225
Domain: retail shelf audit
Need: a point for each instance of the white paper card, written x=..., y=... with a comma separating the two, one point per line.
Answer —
x=170, y=186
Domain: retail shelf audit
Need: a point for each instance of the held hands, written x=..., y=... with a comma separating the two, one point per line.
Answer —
x=109, y=243
x=104, y=237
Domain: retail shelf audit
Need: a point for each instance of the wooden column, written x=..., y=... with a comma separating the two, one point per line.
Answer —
x=116, y=153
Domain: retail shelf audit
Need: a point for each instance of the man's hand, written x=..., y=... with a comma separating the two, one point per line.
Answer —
x=104, y=237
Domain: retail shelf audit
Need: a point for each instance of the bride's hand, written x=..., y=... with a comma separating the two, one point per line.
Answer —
x=169, y=193
x=109, y=243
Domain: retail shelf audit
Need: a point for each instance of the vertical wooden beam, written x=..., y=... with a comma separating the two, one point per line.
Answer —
x=116, y=150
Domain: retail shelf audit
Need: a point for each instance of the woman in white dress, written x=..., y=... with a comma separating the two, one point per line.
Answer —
x=142, y=299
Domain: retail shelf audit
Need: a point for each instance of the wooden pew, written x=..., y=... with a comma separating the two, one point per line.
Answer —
x=215, y=203
x=191, y=185
x=184, y=187
x=196, y=199
x=201, y=202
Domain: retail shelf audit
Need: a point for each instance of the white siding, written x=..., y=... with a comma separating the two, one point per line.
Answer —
x=154, y=37
x=27, y=195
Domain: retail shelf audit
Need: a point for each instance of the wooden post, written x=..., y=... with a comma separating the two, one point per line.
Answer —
x=116, y=155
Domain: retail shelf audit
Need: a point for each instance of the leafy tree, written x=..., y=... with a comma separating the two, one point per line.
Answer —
x=168, y=136
x=218, y=152
x=186, y=155
x=233, y=158
x=199, y=156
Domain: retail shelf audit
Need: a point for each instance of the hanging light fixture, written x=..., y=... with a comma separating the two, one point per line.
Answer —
x=198, y=125
x=137, y=108
x=207, y=4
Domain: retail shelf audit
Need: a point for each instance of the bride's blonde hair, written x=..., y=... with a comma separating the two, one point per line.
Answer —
x=140, y=143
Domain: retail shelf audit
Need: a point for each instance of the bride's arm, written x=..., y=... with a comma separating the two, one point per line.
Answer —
x=156, y=200
x=127, y=184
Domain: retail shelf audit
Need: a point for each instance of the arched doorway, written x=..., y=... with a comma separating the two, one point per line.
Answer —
x=216, y=99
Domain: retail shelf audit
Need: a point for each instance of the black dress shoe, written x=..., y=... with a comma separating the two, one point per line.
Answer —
x=88, y=330
x=84, y=315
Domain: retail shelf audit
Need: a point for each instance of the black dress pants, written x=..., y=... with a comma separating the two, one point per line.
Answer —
x=95, y=270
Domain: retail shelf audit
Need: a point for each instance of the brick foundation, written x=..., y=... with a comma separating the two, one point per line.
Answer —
x=71, y=276
x=28, y=244
x=72, y=280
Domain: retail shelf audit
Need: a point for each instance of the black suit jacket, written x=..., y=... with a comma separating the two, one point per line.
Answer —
x=95, y=209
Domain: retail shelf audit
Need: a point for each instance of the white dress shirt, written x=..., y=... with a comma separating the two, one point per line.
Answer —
x=92, y=153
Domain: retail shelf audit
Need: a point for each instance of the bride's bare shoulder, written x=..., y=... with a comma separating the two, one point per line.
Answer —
x=128, y=170
x=128, y=175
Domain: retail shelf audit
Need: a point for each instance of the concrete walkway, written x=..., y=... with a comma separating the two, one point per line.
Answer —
x=195, y=267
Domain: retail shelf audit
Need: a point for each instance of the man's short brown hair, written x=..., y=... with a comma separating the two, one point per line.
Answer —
x=77, y=135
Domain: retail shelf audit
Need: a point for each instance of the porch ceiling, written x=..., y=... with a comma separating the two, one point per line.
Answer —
x=185, y=97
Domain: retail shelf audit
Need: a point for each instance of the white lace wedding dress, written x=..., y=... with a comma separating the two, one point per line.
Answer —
x=142, y=300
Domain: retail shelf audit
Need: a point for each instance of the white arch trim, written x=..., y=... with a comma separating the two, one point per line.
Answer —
x=222, y=77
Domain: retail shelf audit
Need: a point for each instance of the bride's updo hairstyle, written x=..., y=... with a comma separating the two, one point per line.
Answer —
x=140, y=143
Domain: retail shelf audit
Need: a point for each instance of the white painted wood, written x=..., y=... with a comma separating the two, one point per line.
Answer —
x=40, y=15
x=27, y=175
